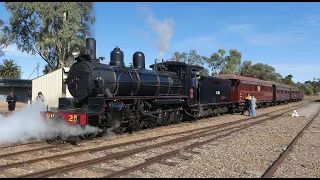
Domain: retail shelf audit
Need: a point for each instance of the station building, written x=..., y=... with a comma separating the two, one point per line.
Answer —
x=19, y=87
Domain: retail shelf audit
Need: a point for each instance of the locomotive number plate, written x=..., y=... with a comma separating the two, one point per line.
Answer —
x=72, y=118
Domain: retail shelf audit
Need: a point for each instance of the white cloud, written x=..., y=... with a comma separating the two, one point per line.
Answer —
x=297, y=67
x=240, y=27
x=311, y=20
x=286, y=35
x=272, y=39
x=301, y=73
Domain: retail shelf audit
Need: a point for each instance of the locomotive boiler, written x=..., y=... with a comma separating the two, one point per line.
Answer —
x=89, y=78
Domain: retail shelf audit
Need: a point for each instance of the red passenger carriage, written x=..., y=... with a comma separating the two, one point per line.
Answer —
x=262, y=90
x=281, y=93
x=301, y=94
x=295, y=93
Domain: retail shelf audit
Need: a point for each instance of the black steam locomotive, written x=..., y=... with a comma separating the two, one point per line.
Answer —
x=113, y=96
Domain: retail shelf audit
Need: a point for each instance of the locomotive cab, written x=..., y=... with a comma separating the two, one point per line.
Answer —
x=188, y=74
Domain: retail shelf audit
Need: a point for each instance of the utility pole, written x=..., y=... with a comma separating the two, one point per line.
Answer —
x=38, y=65
x=37, y=68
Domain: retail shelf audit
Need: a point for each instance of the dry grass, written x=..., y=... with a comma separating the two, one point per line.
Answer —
x=4, y=106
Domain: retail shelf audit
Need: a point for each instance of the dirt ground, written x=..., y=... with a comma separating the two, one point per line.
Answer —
x=4, y=106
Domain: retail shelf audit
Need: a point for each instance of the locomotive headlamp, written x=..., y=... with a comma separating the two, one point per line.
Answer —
x=76, y=51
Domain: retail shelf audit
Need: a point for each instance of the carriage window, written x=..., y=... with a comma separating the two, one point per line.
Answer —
x=232, y=88
x=258, y=88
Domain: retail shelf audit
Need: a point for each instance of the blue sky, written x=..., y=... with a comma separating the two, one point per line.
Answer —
x=284, y=35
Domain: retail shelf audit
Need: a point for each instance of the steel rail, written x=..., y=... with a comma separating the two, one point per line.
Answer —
x=276, y=164
x=92, y=150
x=123, y=154
x=170, y=154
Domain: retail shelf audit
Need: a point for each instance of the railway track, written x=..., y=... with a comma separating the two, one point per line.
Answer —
x=204, y=132
x=20, y=144
x=273, y=168
x=97, y=140
x=162, y=157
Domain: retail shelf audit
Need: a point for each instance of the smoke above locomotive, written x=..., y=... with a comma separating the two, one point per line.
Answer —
x=88, y=77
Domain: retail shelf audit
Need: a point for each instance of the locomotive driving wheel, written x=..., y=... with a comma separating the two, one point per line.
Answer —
x=89, y=136
x=152, y=122
x=166, y=119
x=119, y=130
x=176, y=116
x=136, y=123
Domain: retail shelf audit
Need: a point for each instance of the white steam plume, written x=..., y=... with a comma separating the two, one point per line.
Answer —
x=26, y=124
x=164, y=29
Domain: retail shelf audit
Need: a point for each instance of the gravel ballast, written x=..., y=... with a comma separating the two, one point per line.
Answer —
x=245, y=154
x=304, y=160
x=174, y=171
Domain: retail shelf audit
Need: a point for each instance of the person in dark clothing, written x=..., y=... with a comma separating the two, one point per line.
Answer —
x=11, y=99
x=29, y=97
x=247, y=104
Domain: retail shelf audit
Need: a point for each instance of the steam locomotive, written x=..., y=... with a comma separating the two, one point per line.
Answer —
x=119, y=98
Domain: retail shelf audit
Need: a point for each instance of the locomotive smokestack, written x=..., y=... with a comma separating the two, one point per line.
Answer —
x=116, y=57
x=138, y=60
x=91, y=44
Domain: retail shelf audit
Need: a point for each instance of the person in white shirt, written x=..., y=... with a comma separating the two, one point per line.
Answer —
x=40, y=98
x=253, y=105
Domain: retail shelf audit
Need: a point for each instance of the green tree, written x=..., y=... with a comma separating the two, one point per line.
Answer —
x=9, y=69
x=245, y=69
x=179, y=57
x=191, y=58
x=260, y=71
x=221, y=64
x=287, y=80
x=204, y=72
x=307, y=88
x=49, y=29
x=3, y=40
x=315, y=84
